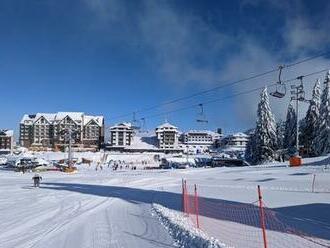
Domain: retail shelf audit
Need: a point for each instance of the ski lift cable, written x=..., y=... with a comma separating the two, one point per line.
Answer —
x=198, y=93
x=308, y=59
x=230, y=96
x=224, y=85
x=233, y=95
x=208, y=102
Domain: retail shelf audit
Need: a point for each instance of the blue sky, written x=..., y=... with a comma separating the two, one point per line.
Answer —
x=115, y=57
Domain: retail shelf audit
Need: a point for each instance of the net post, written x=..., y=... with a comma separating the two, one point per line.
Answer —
x=196, y=206
x=262, y=217
x=313, y=183
x=186, y=198
x=183, y=197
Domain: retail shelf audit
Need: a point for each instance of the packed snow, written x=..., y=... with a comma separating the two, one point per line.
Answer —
x=141, y=208
x=186, y=234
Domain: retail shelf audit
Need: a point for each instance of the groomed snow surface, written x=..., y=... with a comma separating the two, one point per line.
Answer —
x=142, y=208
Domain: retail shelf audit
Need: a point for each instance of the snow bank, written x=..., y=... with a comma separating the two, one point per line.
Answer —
x=183, y=230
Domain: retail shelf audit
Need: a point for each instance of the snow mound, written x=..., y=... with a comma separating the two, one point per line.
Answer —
x=144, y=141
x=183, y=231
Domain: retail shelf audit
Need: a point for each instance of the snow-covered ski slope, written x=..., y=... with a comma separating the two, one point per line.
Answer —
x=115, y=209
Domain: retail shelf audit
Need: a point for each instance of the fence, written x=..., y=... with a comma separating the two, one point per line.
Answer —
x=245, y=225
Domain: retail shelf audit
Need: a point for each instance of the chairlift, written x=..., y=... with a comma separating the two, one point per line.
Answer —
x=298, y=91
x=280, y=90
x=143, y=126
x=135, y=123
x=301, y=91
x=201, y=115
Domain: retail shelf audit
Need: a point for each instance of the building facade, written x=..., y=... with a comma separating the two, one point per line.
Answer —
x=237, y=141
x=6, y=141
x=46, y=130
x=168, y=137
x=121, y=135
x=199, y=141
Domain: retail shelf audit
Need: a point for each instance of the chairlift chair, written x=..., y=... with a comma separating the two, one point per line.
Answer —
x=280, y=90
x=201, y=116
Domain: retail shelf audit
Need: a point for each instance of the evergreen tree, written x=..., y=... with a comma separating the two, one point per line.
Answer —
x=322, y=140
x=302, y=127
x=309, y=127
x=265, y=134
x=290, y=130
x=280, y=130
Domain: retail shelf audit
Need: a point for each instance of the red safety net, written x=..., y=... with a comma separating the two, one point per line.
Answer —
x=245, y=224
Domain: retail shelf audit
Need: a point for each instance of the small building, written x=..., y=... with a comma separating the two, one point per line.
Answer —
x=198, y=141
x=237, y=141
x=121, y=135
x=6, y=141
x=168, y=137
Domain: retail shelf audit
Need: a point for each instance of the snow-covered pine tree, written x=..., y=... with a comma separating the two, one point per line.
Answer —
x=290, y=130
x=322, y=141
x=280, y=130
x=265, y=133
x=302, y=127
x=309, y=129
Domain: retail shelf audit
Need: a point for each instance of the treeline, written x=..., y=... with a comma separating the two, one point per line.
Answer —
x=273, y=140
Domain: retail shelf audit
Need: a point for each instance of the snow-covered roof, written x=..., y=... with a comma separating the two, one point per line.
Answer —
x=9, y=132
x=97, y=119
x=166, y=125
x=73, y=115
x=57, y=117
x=240, y=134
x=50, y=117
x=27, y=119
x=122, y=124
x=208, y=132
x=6, y=132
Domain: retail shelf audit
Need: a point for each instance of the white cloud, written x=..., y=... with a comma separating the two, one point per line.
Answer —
x=301, y=36
x=186, y=49
x=183, y=45
x=107, y=10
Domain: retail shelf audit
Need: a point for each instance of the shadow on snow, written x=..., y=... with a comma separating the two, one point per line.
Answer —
x=312, y=219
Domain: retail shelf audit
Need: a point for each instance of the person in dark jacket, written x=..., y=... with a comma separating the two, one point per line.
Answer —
x=36, y=180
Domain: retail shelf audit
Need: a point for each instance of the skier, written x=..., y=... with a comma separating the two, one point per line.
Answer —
x=36, y=180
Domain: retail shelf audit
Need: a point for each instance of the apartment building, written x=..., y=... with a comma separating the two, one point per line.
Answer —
x=237, y=141
x=45, y=130
x=6, y=141
x=199, y=141
x=168, y=137
x=121, y=135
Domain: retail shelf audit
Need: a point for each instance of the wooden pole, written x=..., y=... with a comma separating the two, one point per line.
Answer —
x=196, y=206
x=186, y=198
x=262, y=218
x=183, y=197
